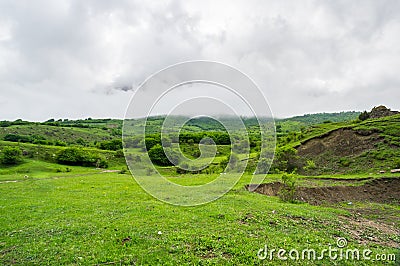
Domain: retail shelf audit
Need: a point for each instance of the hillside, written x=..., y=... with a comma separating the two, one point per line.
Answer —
x=326, y=143
x=355, y=147
x=296, y=123
x=60, y=206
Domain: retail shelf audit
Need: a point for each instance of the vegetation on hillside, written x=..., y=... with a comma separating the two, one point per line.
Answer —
x=59, y=208
x=84, y=140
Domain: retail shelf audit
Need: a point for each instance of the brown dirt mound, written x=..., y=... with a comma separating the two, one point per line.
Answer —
x=341, y=142
x=382, y=190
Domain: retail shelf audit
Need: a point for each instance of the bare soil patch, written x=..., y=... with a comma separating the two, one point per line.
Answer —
x=382, y=190
x=341, y=142
x=367, y=222
x=366, y=231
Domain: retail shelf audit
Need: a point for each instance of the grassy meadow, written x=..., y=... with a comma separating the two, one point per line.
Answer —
x=59, y=212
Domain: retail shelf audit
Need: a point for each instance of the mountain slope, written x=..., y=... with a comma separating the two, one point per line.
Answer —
x=368, y=146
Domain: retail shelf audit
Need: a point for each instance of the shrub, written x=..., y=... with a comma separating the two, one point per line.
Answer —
x=286, y=159
x=17, y=138
x=224, y=163
x=77, y=156
x=397, y=163
x=158, y=156
x=101, y=163
x=71, y=156
x=81, y=142
x=10, y=155
x=151, y=142
x=288, y=191
x=310, y=165
x=119, y=154
x=363, y=116
x=60, y=143
x=112, y=145
x=344, y=162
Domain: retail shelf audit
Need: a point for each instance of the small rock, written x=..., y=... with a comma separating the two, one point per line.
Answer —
x=159, y=232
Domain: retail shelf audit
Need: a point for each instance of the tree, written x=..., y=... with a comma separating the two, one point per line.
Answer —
x=81, y=142
x=288, y=191
x=10, y=155
x=158, y=156
x=151, y=142
x=77, y=156
x=71, y=156
x=363, y=116
x=286, y=159
x=112, y=145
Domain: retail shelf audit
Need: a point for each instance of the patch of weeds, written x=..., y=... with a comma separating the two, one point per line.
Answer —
x=310, y=165
x=344, y=161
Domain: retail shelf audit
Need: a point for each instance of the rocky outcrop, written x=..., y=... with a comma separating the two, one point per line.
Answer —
x=381, y=111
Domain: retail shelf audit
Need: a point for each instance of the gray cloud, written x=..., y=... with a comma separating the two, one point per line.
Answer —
x=84, y=58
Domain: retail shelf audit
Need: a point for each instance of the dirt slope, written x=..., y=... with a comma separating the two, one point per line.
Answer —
x=340, y=142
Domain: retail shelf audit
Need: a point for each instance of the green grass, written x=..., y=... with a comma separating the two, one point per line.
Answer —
x=33, y=169
x=47, y=152
x=65, y=134
x=107, y=218
x=90, y=217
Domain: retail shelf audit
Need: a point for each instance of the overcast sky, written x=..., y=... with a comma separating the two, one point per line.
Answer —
x=78, y=59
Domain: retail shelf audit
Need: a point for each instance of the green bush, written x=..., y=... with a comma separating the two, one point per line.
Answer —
x=288, y=191
x=112, y=145
x=17, y=138
x=344, y=161
x=10, y=155
x=78, y=156
x=286, y=160
x=310, y=165
x=119, y=154
x=158, y=156
x=151, y=142
x=363, y=116
x=397, y=163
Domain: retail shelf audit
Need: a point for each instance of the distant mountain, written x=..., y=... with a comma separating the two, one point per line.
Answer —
x=319, y=118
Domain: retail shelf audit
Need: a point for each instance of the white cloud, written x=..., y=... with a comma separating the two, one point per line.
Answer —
x=78, y=58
